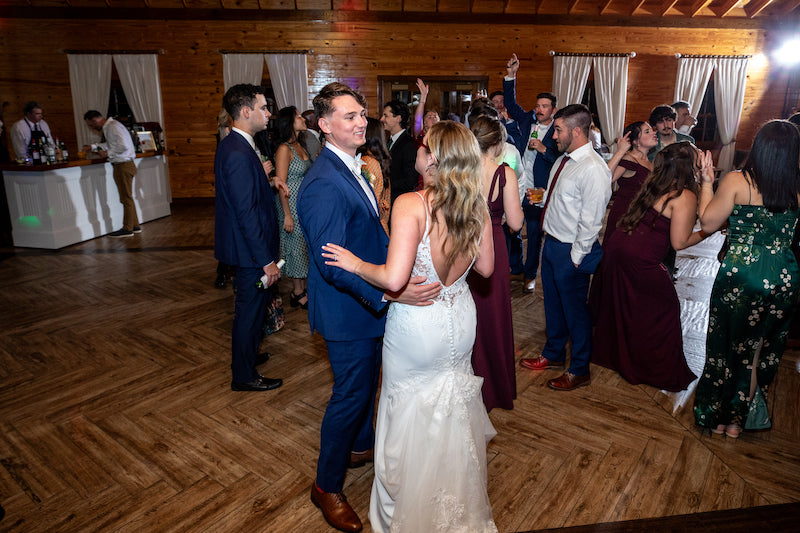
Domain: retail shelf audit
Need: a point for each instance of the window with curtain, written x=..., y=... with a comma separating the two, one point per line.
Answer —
x=117, y=100
x=705, y=131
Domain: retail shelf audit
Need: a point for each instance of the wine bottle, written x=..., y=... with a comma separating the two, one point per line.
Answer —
x=35, y=154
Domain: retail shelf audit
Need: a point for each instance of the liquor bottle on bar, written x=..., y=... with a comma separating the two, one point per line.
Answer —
x=59, y=154
x=35, y=153
x=64, y=152
x=50, y=150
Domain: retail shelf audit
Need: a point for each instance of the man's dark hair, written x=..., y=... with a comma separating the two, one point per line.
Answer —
x=576, y=116
x=323, y=102
x=680, y=104
x=240, y=96
x=399, y=109
x=482, y=107
x=549, y=96
x=496, y=93
x=30, y=106
x=89, y=115
x=660, y=113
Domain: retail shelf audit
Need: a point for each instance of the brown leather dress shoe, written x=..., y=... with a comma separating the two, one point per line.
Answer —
x=359, y=459
x=335, y=509
x=540, y=363
x=569, y=381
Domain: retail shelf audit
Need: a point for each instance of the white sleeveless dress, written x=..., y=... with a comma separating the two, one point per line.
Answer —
x=432, y=427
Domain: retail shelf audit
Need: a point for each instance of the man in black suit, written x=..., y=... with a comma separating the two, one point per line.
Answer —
x=246, y=230
x=403, y=177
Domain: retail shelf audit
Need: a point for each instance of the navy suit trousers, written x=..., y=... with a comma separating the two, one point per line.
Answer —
x=566, y=312
x=347, y=424
x=249, y=309
x=533, y=222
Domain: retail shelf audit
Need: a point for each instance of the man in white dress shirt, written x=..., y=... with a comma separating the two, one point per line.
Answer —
x=575, y=203
x=118, y=147
x=30, y=126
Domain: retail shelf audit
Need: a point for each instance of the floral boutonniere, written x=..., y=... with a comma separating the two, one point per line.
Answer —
x=370, y=177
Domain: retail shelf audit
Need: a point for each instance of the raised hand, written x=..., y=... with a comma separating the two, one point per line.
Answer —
x=706, y=161
x=512, y=66
x=624, y=142
x=423, y=90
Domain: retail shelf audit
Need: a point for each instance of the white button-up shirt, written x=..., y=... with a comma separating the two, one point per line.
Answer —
x=578, y=204
x=354, y=164
x=21, y=133
x=119, y=144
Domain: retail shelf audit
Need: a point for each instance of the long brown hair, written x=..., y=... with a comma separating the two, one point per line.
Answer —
x=457, y=190
x=673, y=171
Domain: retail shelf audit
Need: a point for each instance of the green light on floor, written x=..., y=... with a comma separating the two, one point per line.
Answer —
x=30, y=222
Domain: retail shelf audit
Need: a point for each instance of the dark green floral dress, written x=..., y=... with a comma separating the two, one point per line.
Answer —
x=754, y=296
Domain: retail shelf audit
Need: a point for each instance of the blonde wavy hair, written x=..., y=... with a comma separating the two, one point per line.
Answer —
x=457, y=191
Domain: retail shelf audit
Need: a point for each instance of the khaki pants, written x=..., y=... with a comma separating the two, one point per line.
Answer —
x=123, y=177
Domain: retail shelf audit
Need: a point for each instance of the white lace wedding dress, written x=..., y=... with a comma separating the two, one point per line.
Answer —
x=432, y=428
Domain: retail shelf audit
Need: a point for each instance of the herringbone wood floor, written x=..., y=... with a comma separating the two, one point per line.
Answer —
x=116, y=412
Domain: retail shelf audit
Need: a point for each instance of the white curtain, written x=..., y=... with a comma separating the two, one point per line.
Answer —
x=729, y=83
x=242, y=68
x=90, y=83
x=570, y=74
x=693, y=76
x=611, y=84
x=138, y=74
x=289, y=76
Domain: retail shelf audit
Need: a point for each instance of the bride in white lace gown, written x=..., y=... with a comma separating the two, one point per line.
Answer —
x=432, y=428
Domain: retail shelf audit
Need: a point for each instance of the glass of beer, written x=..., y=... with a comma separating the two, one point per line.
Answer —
x=535, y=195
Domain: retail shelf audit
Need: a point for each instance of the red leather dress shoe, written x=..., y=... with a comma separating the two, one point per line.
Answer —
x=335, y=509
x=569, y=381
x=540, y=363
x=359, y=459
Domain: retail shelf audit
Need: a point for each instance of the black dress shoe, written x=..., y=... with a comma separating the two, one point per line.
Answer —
x=259, y=384
x=220, y=281
x=262, y=358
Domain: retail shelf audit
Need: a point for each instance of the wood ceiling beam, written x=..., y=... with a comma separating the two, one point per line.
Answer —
x=753, y=8
x=572, y=6
x=788, y=7
x=698, y=6
x=725, y=8
x=666, y=6
x=538, y=5
x=605, y=6
x=636, y=5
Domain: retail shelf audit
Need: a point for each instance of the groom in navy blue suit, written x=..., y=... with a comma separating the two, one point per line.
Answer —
x=336, y=204
x=246, y=230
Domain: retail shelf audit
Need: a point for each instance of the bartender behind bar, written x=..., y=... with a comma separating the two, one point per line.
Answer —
x=31, y=127
x=117, y=145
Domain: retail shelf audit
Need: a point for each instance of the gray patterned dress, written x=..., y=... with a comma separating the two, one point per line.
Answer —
x=293, y=246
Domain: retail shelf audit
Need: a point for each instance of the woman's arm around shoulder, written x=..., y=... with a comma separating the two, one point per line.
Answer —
x=408, y=224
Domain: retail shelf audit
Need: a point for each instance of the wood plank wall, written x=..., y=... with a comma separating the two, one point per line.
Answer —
x=33, y=66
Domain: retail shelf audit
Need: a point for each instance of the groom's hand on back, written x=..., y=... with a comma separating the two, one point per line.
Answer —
x=415, y=293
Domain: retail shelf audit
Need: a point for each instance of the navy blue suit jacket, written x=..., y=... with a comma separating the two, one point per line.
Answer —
x=526, y=119
x=403, y=177
x=246, y=227
x=333, y=208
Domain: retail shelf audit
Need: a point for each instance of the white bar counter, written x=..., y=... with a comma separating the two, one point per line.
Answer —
x=53, y=206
